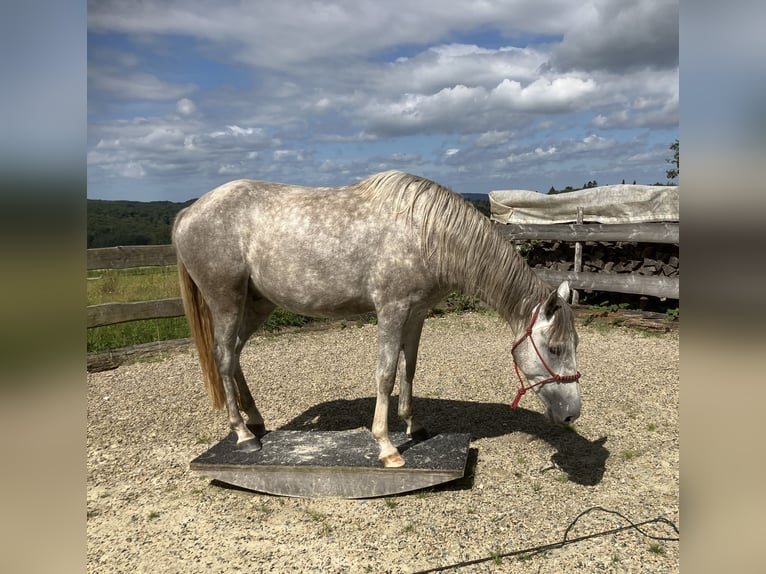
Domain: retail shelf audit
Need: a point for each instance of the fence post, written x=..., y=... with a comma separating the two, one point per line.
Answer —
x=577, y=259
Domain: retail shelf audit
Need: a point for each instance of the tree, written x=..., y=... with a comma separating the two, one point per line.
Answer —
x=673, y=173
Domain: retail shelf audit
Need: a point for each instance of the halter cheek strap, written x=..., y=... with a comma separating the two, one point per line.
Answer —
x=554, y=376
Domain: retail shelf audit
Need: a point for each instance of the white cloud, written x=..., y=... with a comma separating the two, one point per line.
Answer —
x=288, y=34
x=474, y=87
x=622, y=34
x=287, y=155
x=238, y=131
x=472, y=109
x=230, y=169
x=185, y=107
x=131, y=170
x=493, y=138
x=135, y=85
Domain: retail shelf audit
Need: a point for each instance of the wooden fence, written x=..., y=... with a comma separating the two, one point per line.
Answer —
x=162, y=255
x=125, y=258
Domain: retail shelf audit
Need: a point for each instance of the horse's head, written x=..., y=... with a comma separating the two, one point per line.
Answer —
x=546, y=354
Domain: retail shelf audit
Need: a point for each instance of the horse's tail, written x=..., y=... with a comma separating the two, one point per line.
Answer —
x=201, y=326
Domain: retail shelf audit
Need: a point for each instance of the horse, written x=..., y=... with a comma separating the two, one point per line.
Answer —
x=394, y=243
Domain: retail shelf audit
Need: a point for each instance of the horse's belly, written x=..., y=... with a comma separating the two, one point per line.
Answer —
x=314, y=289
x=333, y=269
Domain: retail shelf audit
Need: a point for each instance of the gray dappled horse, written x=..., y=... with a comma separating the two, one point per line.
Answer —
x=395, y=244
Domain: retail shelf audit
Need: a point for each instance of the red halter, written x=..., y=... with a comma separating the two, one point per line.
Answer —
x=554, y=376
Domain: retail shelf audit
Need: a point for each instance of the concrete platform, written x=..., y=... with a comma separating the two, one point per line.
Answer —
x=342, y=464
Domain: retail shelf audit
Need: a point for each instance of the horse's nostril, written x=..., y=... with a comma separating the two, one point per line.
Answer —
x=569, y=419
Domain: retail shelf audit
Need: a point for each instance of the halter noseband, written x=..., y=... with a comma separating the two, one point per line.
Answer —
x=554, y=376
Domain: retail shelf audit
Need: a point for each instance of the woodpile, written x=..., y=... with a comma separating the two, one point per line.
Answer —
x=604, y=257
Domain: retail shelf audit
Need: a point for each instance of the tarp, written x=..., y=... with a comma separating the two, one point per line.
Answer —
x=605, y=204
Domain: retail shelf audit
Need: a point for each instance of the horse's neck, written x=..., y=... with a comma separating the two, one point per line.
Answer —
x=495, y=272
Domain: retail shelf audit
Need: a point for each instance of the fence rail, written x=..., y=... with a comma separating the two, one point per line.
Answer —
x=640, y=232
x=113, y=313
x=129, y=256
x=163, y=255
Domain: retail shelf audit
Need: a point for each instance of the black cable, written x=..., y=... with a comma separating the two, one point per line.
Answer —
x=566, y=540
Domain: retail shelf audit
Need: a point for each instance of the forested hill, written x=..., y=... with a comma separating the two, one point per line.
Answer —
x=112, y=223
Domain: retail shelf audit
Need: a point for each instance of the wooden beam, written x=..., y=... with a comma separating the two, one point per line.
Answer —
x=642, y=232
x=112, y=313
x=128, y=256
x=656, y=286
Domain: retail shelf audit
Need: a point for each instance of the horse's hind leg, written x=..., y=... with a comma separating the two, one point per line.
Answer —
x=407, y=364
x=227, y=311
x=257, y=310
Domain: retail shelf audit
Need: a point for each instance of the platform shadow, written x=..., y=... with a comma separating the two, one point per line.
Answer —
x=581, y=459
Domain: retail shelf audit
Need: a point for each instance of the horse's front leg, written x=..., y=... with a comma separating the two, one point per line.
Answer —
x=407, y=364
x=389, y=345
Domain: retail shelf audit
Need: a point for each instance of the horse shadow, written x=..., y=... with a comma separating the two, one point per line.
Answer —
x=581, y=459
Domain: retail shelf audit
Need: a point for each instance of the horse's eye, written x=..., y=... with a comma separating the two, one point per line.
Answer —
x=556, y=350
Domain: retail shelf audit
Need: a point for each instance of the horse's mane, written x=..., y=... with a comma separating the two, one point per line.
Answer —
x=461, y=246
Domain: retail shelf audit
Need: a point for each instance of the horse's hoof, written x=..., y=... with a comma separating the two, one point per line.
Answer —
x=258, y=430
x=419, y=435
x=249, y=445
x=393, y=460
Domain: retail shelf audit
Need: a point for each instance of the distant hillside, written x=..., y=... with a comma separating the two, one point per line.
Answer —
x=476, y=197
x=112, y=223
x=480, y=201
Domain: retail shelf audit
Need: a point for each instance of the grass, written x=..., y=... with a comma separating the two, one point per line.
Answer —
x=261, y=507
x=606, y=306
x=202, y=439
x=320, y=518
x=138, y=284
x=147, y=284
x=657, y=548
x=629, y=454
x=136, y=332
x=497, y=555
x=315, y=515
x=128, y=285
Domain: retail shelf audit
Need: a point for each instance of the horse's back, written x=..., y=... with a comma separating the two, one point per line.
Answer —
x=318, y=251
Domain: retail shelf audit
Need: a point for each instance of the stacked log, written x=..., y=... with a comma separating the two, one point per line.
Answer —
x=604, y=257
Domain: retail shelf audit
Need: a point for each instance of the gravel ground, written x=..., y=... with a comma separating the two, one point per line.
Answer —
x=527, y=480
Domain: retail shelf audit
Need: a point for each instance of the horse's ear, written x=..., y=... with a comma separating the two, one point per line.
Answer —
x=553, y=302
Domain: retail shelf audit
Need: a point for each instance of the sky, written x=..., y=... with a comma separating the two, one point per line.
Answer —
x=477, y=95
